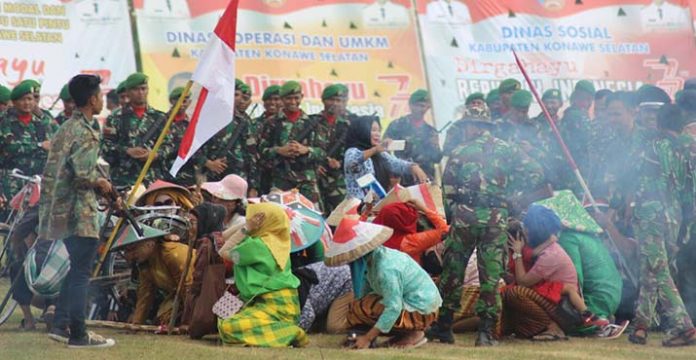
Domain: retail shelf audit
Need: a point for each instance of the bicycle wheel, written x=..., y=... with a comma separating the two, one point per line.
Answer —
x=4, y=252
x=7, y=307
x=104, y=293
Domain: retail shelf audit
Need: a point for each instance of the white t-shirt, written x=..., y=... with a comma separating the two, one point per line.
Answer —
x=664, y=17
x=385, y=15
x=167, y=8
x=448, y=11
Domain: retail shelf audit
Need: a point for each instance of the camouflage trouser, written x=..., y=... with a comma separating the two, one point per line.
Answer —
x=489, y=241
x=333, y=191
x=655, y=235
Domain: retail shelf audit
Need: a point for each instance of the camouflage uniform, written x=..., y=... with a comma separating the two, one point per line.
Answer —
x=422, y=143
x=265, y=167
x=576, y=130
x=299, y=172
x=187, y=174
x=125, y=130
x=68, y=205
x=20, y=147
x=476, y=185
x=242, y=156
x=333, y=185
x=663, y=183
x=62, y=118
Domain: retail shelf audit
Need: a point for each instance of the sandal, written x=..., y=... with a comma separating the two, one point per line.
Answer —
x=682, y=338
x=547, y=337
x=637, y=338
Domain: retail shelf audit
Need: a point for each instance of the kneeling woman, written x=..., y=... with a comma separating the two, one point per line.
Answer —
x=395, y=295
x=265, y=283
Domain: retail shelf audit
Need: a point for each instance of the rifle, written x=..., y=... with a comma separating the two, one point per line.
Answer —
x=313, y=121
x=238, y=130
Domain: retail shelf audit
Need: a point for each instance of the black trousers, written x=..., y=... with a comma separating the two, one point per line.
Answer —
x=72, y=302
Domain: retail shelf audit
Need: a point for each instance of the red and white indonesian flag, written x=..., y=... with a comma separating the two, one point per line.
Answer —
x=215, y=73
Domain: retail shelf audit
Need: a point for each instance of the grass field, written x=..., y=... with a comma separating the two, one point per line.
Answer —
x=18, y=345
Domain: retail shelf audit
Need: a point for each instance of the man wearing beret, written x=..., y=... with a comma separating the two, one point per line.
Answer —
x=506, y=88
x=233, y=150
x=187, y=174
x=68, y=105
x=130, y=133
x=5, y=94
x=515, y=126
x=272, y=105
x=24, y=136
x=122, y=94
x=551, y=158
x=334, y=127
x=422, y=139
x=45, y=115
x=495, y=105
x=293, y=142
x=575, y=126
x=475, y=100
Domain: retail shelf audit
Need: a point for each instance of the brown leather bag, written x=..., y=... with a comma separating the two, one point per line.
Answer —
x=212, y=286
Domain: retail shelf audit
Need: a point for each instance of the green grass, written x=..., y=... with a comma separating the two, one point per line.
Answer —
x=15, y=344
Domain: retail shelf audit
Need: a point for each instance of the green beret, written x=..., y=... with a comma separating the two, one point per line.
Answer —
x=586, y=86
x=24, y=88
x=509, y=85
x=121, y=88
x=333, y=90
x=419, y=96
x=344, y=90
x=4, y=94
x=34, y=84
x=290, y=88
x=493, y=96
x=474, y=96
x=135, y=80
x=242, y=86
x=65, y=93
x=552, y=94
x=176, y=93
x=270, y=91
x=521, y=99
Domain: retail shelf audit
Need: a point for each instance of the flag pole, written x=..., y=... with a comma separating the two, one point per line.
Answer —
x=143, y=172
x=573, y=165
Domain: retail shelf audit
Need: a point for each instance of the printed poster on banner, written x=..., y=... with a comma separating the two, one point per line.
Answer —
x=619, y=45
x=53, y=40
x=371, y=46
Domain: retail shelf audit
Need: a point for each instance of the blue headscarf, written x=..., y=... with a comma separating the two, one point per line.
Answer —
x=540, y=222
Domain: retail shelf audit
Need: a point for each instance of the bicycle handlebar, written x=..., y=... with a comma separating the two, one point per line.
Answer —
x=18, y=174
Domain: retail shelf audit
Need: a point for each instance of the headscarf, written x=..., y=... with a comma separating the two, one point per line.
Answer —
x=180, y=198
x=360, y=137
x=210, y=218
x=358, y=270
x=274, y=231
x=540, y=222
x=400, y=217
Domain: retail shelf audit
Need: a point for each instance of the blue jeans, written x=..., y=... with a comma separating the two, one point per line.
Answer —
x=72, y=301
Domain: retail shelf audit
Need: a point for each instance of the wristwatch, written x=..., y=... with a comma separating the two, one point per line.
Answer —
x=516, y=256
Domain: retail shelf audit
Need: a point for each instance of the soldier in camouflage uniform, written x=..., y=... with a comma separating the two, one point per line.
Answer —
x=455, y=133
x=422, y=139
x=294, y=162
x=131, y=132
x=24, y=137
x=334, y=127
x=233, y=150
x=476, y=185
x=272, y=105
x=506, y=88
x=494, y=104
x=68, y=106
x=187, y=174
x=663, y=184
x=516, y=126
x=4, y=100
x=576, y=127
x=122, y=92
x=68, y=208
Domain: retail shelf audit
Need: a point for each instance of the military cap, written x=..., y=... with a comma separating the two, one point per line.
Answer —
x=652, y=94
x=586, y=86
x=344, y=90
x=135, y=80
x=333, y=90
x=290, y=88
x=270, y=91
x=34, y=84
x=474, y=96
x=509, y=85
x=521, y=99
x=419, y=96
x=176, y=93
x=552, y=94
x=4, y=94
x=24, y=88
x=65, y=93
x=493, y=96
x=242, y=86
x=121, y=88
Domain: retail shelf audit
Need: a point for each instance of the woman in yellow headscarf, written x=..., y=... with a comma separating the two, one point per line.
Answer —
x=265, y=283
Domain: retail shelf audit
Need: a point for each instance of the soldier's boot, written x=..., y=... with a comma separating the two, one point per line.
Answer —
x=441, y=329
x=485, y=333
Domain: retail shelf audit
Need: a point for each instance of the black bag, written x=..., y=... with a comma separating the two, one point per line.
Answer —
x=308, y=278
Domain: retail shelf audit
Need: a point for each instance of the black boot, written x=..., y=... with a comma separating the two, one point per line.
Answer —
x=441, y=329
x=485, y=333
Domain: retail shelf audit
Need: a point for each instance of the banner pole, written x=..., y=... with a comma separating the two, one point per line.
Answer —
x=143, y=172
